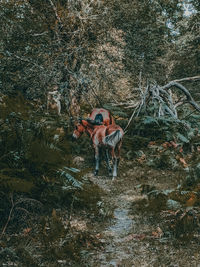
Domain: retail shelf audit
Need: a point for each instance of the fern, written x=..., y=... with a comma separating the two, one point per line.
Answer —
x=72, y=169
x=182, y=138
x=150, y=120
x=64, y=173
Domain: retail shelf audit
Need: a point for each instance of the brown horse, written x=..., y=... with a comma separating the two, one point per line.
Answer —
x=107, y=137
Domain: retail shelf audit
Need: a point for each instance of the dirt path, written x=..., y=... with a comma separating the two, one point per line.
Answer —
x=133, y=237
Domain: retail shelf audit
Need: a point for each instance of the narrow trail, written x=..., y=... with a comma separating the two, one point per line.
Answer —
x=127, y=239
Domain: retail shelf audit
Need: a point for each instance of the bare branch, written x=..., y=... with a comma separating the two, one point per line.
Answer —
x=56, y=12
x=39, y=34
x=131, y=118
x=160, y=100
x=59, y=20
x=185, y=91
x=188, y=79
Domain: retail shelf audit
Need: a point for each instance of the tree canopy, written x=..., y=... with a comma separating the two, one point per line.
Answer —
x=92, y=46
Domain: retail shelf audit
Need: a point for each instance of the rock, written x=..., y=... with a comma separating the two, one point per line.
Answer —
x=78, y=160
x=173, y=205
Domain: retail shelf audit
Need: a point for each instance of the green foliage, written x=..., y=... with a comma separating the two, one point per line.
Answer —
x=85, y=48
x=43, y=45
x=147, y=33
x=164, y=128
x=14, y=184
x=33, y=161
x=116, y=111
x=40, y=49
x=182, y=138
x=186, y=49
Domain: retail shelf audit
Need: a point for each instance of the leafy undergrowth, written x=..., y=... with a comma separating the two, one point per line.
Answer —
x=170, y=186
x=176, y=211
x=53, y=212
x=42, y=190
x=177, y=208
x=55, y=239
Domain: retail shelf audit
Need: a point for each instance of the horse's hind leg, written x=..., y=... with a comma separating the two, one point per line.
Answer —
x=108, y=162
x=96, y=161
x=114, y=167
x=116, y=158
x=100, y=155
x=118, y=148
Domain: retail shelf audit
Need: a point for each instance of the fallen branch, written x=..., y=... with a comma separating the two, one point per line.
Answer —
x=188, y=79
x=185, y=91
x=157, y=101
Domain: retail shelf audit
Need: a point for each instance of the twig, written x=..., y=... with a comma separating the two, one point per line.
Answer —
x=188, y=115
x=195, y=78
x=56, y=13
x=70, y=212
x=96, y=96
x=161, y=98
x=130, y=119
x=39, y=34
x=26, y=60
x=59, y=20
x=9, y=216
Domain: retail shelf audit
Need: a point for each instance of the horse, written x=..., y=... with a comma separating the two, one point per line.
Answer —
x=107, y=137
x=99, y=116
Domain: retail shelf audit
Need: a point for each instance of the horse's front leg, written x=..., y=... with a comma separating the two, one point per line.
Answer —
x=96, y=149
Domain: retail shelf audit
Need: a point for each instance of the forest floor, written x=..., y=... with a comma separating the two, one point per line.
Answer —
x=147, y=216
x=133, y=236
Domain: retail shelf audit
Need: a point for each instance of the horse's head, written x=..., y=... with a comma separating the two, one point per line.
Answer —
x=80, y=128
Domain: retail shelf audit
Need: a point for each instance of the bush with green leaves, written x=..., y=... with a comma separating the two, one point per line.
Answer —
x=36, y=165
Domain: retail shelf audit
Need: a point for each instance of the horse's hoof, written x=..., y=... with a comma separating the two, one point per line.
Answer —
x=110, y=173
x=95, y=173
x=114, y=178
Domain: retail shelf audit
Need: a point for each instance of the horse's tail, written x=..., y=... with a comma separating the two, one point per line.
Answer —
x=113, y=138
